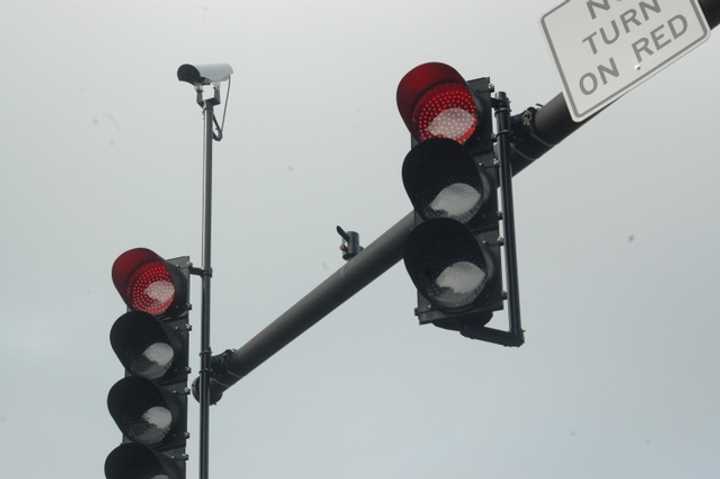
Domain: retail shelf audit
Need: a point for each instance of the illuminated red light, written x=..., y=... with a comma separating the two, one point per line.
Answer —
x=143, y=280
x=434, y=102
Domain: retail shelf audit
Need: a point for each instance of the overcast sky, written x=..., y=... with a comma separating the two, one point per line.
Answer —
x=617, y=236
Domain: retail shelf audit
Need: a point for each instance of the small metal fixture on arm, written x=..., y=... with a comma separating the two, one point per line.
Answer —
x=351, y=243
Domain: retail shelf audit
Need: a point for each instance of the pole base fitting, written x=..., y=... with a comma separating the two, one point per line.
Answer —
x=216, y=390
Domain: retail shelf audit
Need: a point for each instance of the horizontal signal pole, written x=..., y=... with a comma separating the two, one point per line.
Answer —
x=535, y=131
x=230, y=366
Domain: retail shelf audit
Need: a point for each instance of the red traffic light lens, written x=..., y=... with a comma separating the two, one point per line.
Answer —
x=435, y=102
x=143, y=280
x=151, y=289
x=445, y=111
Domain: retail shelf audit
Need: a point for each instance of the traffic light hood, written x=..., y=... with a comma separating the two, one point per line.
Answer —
x=129, y=401
x=442, y=180
x=146, y=282
x=447, y=264
x=144, y=347
x=135, y=461
x=434, y=101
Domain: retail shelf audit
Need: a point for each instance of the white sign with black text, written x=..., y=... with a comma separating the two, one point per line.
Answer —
x=603, y=48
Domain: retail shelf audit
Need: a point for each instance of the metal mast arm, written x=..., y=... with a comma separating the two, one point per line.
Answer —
x=535, y=132
x=230, y=366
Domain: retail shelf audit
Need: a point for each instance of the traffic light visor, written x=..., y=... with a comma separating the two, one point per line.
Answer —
x=435, y=102
x=144, y=281
x=140, y=410
x=447, y=264
x=442, y=180
x=142, y=345
x=134, y=461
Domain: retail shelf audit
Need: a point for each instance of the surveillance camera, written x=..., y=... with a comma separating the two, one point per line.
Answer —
x=199, y=75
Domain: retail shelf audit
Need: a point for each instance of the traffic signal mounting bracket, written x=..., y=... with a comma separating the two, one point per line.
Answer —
x=515, y=336
x=200, y=272
x=502, y=137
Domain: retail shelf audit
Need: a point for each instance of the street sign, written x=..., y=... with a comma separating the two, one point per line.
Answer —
x=604, y=48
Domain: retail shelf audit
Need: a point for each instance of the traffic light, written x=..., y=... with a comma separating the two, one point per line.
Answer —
x=149, y=405
x=453, y=178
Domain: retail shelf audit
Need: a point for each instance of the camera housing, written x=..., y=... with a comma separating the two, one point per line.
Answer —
x=199, y=75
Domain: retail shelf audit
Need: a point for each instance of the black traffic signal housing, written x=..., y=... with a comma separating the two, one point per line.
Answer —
x=149, y=405
x=452, y=177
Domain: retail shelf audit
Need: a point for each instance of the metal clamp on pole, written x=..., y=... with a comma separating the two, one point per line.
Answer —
x=201, y=272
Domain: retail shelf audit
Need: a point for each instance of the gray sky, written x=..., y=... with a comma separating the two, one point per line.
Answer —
x=102, y=153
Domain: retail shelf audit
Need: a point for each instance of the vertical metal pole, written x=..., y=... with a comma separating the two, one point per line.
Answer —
x=502, y=114
x=205, y=352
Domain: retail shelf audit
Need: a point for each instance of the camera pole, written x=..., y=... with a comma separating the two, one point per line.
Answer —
x=200, y=76
x=205, y=272
x=205, y=351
